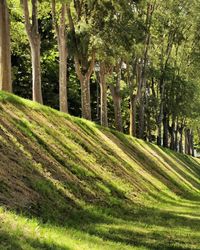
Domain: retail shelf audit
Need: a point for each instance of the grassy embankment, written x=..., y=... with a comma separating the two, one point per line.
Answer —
x=66, y=183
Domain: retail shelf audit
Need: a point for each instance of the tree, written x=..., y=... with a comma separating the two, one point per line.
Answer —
x=84, y=62
x=103, y=94
x=60, y=28
x=34, y=40
x=5, y=54
x=116, y=96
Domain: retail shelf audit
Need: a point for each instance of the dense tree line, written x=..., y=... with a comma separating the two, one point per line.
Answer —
x=130, y=65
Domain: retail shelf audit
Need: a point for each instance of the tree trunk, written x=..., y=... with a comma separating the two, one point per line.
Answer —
x=160, y=115
x=141, y=118
x=148, y=125
x=192, y=143
x=181, y=141
x=176, y=138
x=5, y=54
x=36, y=70
x=159, y=135
x=103, y=99
x=63, y=74
x=172, y=142
x=98, y=101
x=60, y=28
x=117, y=107
x=133, y=115
x=34, y=40
x=85, y=98
x=115, y=92
x=187, y=141
x=118, y=115
x=165, y=130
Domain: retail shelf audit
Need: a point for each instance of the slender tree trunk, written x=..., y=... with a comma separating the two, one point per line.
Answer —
x=165, y=130
x=34, y=40
x=117, y=107
x=187, y=141
x=60, y=28
x=181, y=141
x=172, y=134
x=85, y=98
x=149, y=135
x=133, y=115
x=98, y=102
x=63, y=74
x=141, y=118
x=135, y=97
x=160, y=115
x=115, y=92
x=103, y=99
x=176, y=137
x=192, y=143
x=36, y=70
x=5, y=54
x=159, y=134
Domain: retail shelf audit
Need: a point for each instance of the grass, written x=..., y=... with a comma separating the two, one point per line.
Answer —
x=67, y=183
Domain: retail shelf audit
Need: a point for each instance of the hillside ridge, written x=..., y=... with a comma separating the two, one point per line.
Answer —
x=98, y=185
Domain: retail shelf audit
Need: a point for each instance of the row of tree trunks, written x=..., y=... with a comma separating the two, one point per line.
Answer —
x=144, y=61
x=5, y=54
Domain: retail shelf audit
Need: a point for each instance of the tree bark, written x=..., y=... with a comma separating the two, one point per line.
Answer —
x=176, y=137
x=5, y=53
x=141, y=118
x=103, y=99
x=187, y=141
x=181, y=130
x=85, y=87
x=34, y=40
x=160, y=115
x=116, y=95
x=60, y=29
x=165, y=130
x=36, y=69
x=132, y=128
x=85, y=98
x=172, y=133
x=181, y=141
x=192, y=143
x=135, y=97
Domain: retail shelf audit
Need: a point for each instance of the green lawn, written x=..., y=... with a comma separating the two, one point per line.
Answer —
x=66, y=183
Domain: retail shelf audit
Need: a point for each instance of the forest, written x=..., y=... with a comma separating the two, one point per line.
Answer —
x=128, y=65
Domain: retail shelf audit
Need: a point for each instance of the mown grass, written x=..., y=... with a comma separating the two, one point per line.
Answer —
x=67, y=183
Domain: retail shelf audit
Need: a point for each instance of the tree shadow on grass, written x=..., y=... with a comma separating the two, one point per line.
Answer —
x=57, y=208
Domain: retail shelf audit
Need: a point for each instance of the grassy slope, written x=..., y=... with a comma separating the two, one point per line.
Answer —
x=66, y=183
